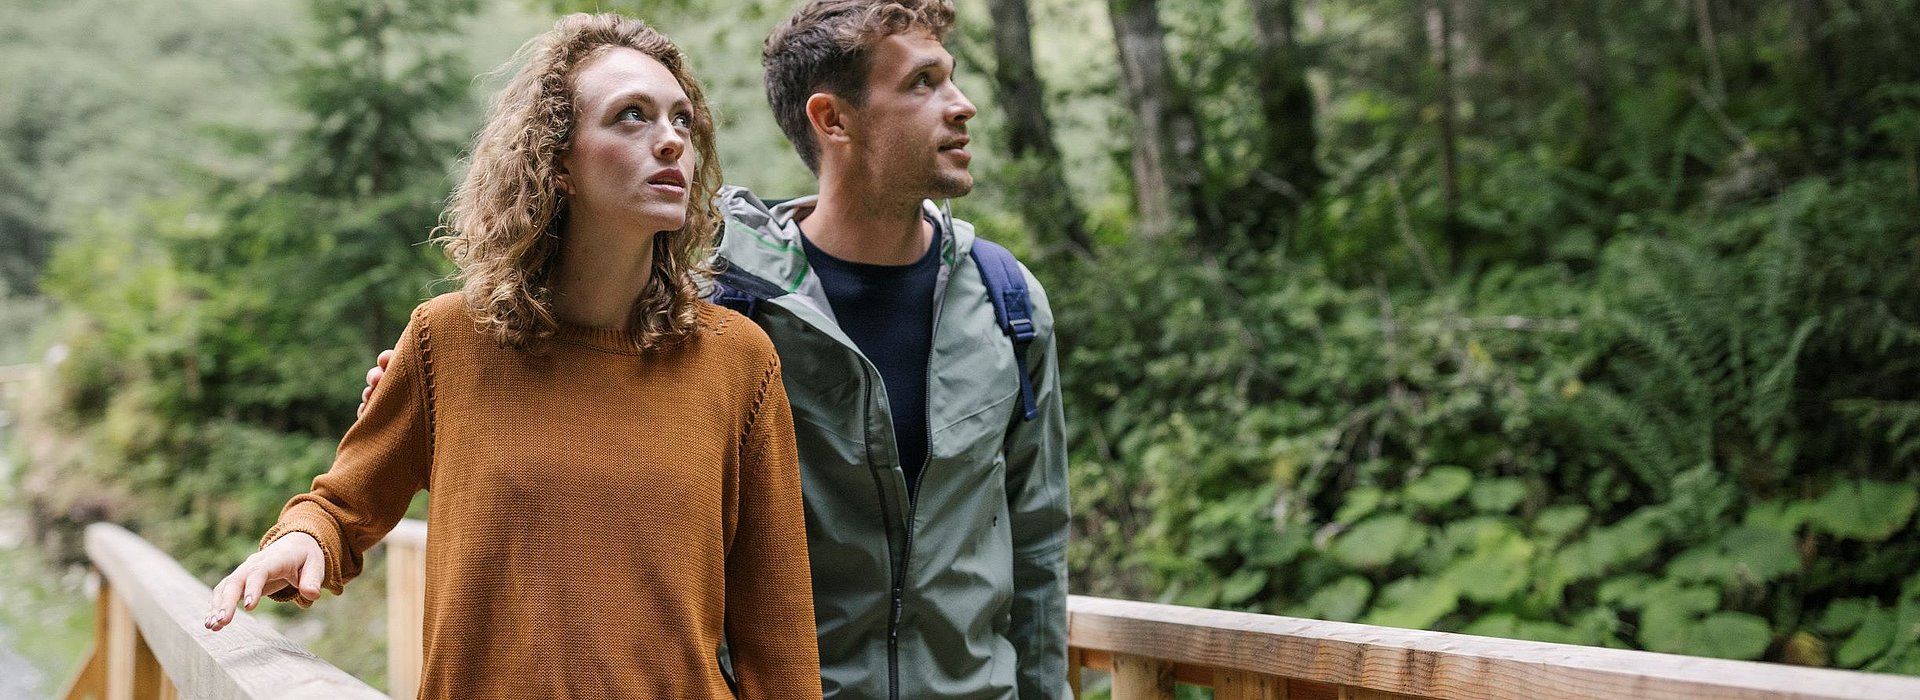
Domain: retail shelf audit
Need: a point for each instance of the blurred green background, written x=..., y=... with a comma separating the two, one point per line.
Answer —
x=1592, y=322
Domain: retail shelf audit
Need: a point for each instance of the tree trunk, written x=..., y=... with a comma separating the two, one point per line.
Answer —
x=1045, y=200
x=1440, y=41
x=1590, y=64
x=1710, y=52
x=1166, y=135
x=1285, y=173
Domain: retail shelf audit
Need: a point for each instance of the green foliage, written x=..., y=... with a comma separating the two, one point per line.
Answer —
x=214, y=333
x=1639, y=371
x=1646, y=457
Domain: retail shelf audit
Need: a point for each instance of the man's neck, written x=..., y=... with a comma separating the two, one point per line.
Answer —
x=866, y=227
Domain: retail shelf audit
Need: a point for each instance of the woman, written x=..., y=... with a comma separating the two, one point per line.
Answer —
x=615, y=489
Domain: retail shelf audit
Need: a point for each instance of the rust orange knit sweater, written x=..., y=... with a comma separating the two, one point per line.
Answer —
x=602, y=516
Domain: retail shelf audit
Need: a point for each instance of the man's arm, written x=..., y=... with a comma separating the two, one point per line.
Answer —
x=1036, y=452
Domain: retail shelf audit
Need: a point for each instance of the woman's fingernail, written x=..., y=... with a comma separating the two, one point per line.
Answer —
x=249, y=602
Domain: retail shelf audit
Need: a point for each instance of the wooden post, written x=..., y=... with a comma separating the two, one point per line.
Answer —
x=121, y=638
x=91, y=682
x=1075, y=660
x=1141, y=678
x=132, y=671
x=1244, y=685
x=406, y=608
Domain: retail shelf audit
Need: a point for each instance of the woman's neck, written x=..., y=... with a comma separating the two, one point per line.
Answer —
x=601, y=273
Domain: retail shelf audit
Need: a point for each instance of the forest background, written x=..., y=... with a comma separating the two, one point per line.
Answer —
x=1590, y=322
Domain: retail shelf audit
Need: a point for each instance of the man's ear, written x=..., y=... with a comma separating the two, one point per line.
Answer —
x=829, y=115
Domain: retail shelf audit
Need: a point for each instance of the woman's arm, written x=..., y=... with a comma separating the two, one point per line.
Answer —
x=323, y=534
x=770, y=628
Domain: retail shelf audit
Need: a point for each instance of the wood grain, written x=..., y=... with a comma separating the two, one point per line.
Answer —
x=246, y=660
x=406, y=607
x=1141, y=678
x=1417, y=663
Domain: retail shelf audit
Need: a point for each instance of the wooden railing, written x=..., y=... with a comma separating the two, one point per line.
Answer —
x=1148, y=648
x=149, y=642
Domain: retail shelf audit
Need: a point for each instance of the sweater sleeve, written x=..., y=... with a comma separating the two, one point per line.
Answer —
x=770, y=626
x=383, y=460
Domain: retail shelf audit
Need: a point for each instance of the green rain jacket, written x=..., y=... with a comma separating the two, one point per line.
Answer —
x=960, y=592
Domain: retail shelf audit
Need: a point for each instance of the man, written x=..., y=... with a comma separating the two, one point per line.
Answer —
x=936, y=508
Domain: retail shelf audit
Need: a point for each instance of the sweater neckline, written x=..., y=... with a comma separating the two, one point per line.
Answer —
x=626, y=342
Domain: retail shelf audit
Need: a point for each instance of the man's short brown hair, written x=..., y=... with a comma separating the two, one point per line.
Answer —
x=825, y=46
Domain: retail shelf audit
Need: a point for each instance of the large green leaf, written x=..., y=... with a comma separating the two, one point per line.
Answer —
x=1498, y=567
x=1673, y=628
x=1413, y=602
x=1872, y=638
x=1846, y=614
x=1744, y=556
x=1342, y=601
x=1606, y=549
x=1865, y=510
x=1379, y=541
x=1510, y=626
x=1498, y=495
x=1360, y=502
x=1242, y=585
x=1780, y=515
x=1559, y=521
x=1440, y=486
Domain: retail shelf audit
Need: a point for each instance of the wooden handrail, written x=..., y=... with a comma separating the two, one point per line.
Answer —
x=149, y=641
x=1150, y=647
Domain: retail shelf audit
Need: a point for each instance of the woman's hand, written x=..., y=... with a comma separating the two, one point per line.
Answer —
x=293, y=560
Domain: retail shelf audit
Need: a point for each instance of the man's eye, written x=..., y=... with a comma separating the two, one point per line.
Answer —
x=923, y=81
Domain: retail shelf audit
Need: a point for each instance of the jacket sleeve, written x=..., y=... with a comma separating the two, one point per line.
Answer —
x=769, y=620
x=382, y=462
x=1037, y=504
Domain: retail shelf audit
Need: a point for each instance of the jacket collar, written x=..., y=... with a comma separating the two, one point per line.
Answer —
x=765, y=240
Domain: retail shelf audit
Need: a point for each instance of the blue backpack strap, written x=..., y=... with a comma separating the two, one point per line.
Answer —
x=1007, y=289
x=740, y=290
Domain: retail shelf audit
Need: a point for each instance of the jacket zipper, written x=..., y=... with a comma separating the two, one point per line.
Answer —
x=913, y=507
x=886, y=522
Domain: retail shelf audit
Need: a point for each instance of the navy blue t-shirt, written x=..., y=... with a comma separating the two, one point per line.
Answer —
x=887, y=310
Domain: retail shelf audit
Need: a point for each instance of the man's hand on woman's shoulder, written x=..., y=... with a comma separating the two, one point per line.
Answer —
x=374, y=374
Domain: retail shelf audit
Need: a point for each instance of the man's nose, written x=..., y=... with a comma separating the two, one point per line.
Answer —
x=962, y=108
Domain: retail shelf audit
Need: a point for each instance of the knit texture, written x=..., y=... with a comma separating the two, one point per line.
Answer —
x=603, y=514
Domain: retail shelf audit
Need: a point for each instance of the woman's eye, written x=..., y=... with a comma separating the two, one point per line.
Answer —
x=631, y=114
x=683, y=120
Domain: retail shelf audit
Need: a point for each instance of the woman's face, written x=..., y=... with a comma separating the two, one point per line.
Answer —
x=630, y=163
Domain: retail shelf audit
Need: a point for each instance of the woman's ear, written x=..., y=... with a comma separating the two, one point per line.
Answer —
x=561, y=178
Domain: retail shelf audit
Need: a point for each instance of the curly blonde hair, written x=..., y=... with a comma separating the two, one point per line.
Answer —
x=504, y=223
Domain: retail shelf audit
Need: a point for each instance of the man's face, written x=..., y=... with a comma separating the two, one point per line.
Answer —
x=911, y=135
